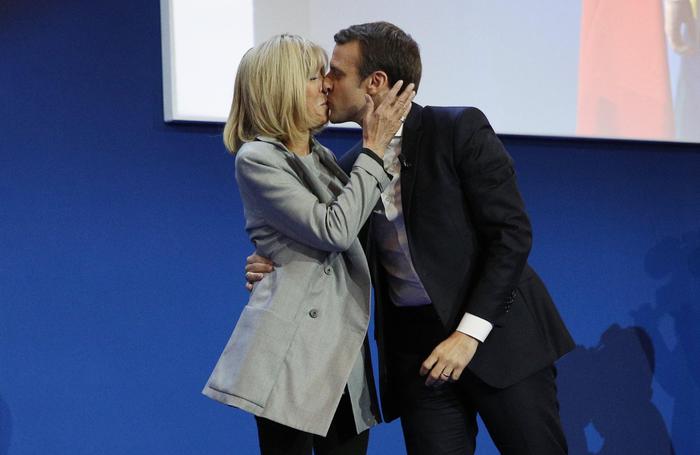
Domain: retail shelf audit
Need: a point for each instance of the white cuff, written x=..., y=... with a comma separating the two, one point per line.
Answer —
x=475, y=327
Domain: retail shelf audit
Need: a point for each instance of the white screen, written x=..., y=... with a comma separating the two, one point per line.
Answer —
x=591, y=68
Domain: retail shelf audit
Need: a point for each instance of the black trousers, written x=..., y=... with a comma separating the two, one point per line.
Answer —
x=521, y=419
x=342, y=438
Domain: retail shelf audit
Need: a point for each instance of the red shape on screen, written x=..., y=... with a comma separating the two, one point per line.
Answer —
x=624, y=88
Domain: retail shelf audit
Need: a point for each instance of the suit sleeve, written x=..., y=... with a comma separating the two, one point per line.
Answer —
x=286, y=204
x=347, y=160
x=503, y=229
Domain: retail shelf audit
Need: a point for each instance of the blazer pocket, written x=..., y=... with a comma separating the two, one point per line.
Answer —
x=253, y=356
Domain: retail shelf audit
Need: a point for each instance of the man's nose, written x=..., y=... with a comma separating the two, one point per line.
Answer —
x=327, y=85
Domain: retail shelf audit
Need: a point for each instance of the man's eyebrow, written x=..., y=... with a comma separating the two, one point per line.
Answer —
x=335, y=70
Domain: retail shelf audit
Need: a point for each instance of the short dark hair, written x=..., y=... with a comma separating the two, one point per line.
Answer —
x=385, y=47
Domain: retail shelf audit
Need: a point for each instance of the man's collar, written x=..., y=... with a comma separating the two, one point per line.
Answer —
x=413, y=119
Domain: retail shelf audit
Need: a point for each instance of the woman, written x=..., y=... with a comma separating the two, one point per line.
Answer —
x=296, y=358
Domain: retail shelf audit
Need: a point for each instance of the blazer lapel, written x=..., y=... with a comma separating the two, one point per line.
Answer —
x=312, y=181
x=328, y=159
x=410, y=143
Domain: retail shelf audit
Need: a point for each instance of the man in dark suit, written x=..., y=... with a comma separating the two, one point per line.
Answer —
x=464, y=326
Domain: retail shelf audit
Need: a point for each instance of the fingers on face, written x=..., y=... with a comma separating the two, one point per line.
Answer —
x=391, y=98
x=411, y=96
x=409, y=93
x=395, y=89
x=403, y=102
x=407, y=107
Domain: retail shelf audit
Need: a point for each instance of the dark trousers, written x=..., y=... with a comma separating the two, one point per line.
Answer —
x=521, y=419
x=342, y=438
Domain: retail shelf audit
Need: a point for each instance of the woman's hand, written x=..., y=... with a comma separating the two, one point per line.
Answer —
x=381, y=123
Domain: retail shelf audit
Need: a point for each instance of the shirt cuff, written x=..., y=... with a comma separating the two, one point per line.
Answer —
x=475, y=327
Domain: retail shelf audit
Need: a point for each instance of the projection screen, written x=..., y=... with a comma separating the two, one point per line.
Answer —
x=588, y=68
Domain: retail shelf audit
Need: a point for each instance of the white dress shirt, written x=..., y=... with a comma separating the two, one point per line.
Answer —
x=405, y=287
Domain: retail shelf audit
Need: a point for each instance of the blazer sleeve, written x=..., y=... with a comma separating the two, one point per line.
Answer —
x=504, y=232
x=275, y=193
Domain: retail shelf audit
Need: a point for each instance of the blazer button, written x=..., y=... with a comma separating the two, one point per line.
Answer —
x=313, y=313
x=328, y=270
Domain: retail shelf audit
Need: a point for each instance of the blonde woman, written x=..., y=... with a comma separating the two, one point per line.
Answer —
x=297, y=358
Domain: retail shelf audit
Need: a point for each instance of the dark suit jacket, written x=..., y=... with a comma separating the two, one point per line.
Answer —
x=469, y=238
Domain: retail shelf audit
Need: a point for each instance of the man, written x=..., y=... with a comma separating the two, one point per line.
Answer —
x=463, y=324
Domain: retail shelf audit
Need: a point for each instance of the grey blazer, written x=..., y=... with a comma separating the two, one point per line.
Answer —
x=299, y=340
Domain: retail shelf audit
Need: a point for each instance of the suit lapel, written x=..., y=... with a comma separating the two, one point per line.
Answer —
x=410, y=144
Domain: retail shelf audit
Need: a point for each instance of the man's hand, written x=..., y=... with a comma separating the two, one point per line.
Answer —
x=255, y=269
x=449, y=359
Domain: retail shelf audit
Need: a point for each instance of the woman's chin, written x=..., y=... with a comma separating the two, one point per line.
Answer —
x=321, y=123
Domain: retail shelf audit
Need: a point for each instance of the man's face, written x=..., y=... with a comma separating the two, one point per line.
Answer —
x=346, y=92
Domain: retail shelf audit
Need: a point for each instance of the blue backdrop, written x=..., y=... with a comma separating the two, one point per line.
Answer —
x=122, y=244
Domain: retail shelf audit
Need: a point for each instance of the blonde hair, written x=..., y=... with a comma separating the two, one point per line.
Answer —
x=269, y=96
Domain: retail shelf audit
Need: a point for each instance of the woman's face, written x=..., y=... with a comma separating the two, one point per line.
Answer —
x=316, y=100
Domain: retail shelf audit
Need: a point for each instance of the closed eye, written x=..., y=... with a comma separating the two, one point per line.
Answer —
x=335, y=73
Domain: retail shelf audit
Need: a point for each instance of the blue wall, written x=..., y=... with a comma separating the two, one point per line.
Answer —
x=121, y=247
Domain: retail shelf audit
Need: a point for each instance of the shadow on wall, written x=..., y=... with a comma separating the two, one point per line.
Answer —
x=672, y=322
x=606, y=390
x=5, y=427
x=605, y=397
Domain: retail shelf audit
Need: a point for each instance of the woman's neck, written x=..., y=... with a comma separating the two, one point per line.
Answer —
x=299, y=146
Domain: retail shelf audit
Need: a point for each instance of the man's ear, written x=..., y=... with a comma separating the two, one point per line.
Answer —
x=377, y=82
